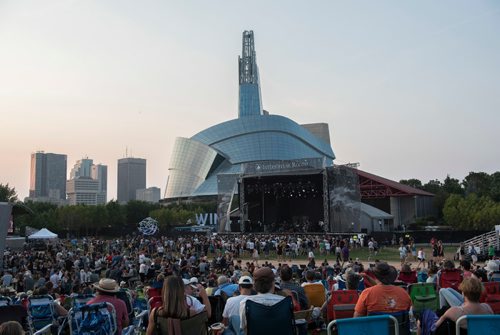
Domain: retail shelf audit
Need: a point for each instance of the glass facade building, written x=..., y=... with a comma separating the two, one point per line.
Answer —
x=48, y=176
x=254, y=136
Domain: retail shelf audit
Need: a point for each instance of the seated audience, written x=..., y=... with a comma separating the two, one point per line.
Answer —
x=471, y=292
x=383, y=297
x=286, y=276
x=264, y=285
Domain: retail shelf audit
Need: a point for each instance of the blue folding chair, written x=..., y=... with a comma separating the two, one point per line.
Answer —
x=5, y=301
x=94, y=319
x=81, y=300
x=378, y=324
x=479, y=324
x=270, y=320
x=41, y=312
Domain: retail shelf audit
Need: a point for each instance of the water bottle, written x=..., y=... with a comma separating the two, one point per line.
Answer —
x=413, y=323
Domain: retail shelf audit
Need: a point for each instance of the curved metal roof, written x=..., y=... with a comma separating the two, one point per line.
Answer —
x=262, y=137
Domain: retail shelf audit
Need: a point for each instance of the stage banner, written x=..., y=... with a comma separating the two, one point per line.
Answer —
x=227, y=186
x=5, y=217
x=282, y=166
x=345, y=199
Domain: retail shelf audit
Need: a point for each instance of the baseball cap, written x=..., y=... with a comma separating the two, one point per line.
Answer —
x=245, y=280
x=188, y=282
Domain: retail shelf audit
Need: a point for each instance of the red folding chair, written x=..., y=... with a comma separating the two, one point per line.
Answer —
x=450, y=278
x=341, y=304
x=153, y=292
x=154, y=302
x=408, y=277
x=491, y=295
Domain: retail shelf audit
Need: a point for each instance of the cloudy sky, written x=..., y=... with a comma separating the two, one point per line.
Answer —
x=410, y=89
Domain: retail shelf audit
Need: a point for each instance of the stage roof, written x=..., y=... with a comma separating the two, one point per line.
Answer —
x=373, y=186
x=374, y=212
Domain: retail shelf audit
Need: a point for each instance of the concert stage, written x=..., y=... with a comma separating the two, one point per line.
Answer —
x=295, y=196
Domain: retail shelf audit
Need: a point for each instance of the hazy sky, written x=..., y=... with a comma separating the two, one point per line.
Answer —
x=409, y=88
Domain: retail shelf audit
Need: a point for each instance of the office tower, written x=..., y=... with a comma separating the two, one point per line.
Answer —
x=82, y=168
x=150, y=194
x=131, y=177
x=88, y=183
x=82, y=191
x=48, y=177
x=100, y=173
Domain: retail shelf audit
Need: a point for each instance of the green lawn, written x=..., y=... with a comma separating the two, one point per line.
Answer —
x=387, y=254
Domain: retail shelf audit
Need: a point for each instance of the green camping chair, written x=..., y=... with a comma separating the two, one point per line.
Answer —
x=423, y=295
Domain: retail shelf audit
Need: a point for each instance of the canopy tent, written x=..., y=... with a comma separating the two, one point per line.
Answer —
x=43, y=234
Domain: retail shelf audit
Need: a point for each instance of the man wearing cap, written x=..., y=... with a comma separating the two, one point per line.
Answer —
x=383, y=297
x=106, y=292
x=191, y=287
x=232, y=308
x=264, y=285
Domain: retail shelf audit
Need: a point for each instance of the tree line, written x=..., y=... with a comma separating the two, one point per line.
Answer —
x=111, y=219
x=470, y=204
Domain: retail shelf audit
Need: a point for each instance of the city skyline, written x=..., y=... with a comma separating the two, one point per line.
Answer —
x=409, y=89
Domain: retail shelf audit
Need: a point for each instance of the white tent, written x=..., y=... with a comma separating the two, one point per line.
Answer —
x=43, y=234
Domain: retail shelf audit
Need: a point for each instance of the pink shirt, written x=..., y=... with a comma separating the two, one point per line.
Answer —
x=120, y=308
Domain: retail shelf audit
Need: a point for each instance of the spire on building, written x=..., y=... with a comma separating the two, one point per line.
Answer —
x=250, y=101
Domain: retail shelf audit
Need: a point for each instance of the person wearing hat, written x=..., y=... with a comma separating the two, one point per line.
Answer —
x=192, y=288
x=106, y=291
x=383, y=297
x=232, y=308
x=264, y=285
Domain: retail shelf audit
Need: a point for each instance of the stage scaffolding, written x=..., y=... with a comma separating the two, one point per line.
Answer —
x=344, y=199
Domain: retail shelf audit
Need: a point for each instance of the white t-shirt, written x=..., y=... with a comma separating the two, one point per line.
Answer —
x=232, y=307
x=194, y=304
x=421, y=254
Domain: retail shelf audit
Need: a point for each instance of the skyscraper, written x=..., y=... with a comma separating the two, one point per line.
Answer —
x=100, y=173
x=131, y=177
x=48, y=177
x=82, y=168
x=88, y=183
x=150, y=194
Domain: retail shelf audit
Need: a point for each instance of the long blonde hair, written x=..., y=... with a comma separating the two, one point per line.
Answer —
x=174, y=299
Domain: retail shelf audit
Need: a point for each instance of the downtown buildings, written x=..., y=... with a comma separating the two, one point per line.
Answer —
x=131, y=177
x=48, y=177
x=88, y=183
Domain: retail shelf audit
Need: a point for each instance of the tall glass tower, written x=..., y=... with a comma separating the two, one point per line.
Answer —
x=250, y=101
x=48, y=175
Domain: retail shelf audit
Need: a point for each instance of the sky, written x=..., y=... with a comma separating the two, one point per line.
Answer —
x=410, y=89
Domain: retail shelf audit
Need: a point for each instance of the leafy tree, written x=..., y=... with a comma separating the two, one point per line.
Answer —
x=495, y=186
x=452, y=186
x=138, y=210
x=433, y=186
x=412, y=182
x=116, y=214
x=7, y=193
x=478, y=183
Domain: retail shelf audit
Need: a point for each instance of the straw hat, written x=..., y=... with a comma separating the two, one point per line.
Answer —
x=107, y=285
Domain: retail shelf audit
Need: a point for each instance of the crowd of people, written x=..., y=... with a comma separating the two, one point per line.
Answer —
x=189, y=269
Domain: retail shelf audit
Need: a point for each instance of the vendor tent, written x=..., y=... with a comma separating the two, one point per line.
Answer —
x=43, y=234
